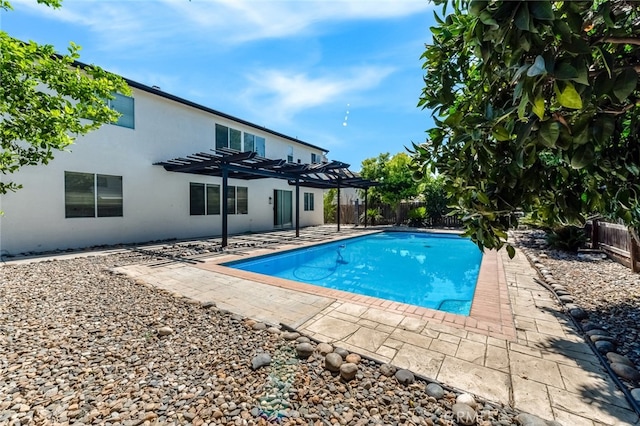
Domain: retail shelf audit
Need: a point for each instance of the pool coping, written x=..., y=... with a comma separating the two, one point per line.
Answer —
x=490, y=313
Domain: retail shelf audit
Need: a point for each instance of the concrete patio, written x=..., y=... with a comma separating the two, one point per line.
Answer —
x=517, y=347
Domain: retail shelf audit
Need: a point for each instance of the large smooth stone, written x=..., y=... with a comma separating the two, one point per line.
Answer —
x=405, y=377
x=332, y=362
x=464, y=414
x=625, y=371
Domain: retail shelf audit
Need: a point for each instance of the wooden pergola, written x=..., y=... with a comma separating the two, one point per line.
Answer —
x=227, y=163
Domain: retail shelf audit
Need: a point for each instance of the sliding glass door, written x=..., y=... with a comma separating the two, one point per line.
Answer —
x=283, y=208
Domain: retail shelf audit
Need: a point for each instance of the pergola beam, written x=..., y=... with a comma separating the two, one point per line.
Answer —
x=227, y=163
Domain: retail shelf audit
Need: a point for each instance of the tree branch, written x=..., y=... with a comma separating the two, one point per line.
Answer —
x=636, y=68
x=620, y=40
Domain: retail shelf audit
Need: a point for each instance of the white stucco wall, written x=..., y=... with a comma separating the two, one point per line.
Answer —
x=155, y=201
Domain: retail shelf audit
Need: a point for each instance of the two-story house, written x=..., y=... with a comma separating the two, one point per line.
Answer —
x=108, y=187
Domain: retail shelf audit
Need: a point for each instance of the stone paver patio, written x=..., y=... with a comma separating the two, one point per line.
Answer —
x=516, y=347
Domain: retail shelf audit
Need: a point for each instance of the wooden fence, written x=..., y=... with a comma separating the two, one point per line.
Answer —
x=353, y=213
x=615, y=240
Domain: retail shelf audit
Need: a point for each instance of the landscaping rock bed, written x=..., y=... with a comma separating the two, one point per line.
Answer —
x=80, y=344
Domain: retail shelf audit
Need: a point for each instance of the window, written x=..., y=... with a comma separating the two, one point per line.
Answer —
x=204, y=199
x=242, y=197
x=314, y=158
x=237, y=200
x=308, y=201
x=86, y=194
x=290, y=155
x=254, y=143
x=235, y=139
x=109, y=196
x=124, y=105
x=222, y=136
x=227, y=137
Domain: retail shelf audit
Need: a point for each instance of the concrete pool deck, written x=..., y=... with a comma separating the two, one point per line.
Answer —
x=517, y=347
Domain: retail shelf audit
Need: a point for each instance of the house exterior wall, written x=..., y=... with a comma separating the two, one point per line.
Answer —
x=155, y=201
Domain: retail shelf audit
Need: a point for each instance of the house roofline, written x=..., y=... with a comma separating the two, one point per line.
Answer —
x=159, y=92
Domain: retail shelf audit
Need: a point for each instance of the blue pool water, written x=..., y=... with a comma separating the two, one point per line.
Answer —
x=437, y=271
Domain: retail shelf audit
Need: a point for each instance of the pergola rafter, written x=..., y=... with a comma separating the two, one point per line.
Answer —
x=228, y=163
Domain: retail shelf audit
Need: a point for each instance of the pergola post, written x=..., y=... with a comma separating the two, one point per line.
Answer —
x=297, y=207
x=338, y=202
x=225, y=194
x=366, y=206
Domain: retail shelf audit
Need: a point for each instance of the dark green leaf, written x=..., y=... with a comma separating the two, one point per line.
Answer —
x=582, y=156
x=511, y=251
x=565, y=71
x=626, y=83
x=522, y=16
x=549, y=133
x=541, y=10
x=476, y=7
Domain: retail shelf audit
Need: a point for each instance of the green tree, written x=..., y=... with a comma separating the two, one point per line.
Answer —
x=395, y=178
x=330, y=205
x=536, y=107
x=435, y=196
x=47, y=100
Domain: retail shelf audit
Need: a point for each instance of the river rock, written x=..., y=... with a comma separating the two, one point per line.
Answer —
x=625, y=371
x=261, y=360
x=405, y=377
x=604, y=346
x=387, y=370
x=578, y=313
x=348, y=370
x=635, y=393
x=290, y=335
x=324, y=348
x=615, y=357
x=597, y=332
x=353, y=358
x=468, y=399
x=464, y=414
x=165, y=331
x=259, y=326
x=342, y=352
x=332, y=362
x=525, y=419
x=304, y=350
x=435, y=390
x=566, y=299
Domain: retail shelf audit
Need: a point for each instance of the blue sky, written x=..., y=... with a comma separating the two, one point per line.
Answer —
x=298, y=67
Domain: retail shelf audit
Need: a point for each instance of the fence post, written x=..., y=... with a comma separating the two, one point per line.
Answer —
x=594, y=234
x=633, y=253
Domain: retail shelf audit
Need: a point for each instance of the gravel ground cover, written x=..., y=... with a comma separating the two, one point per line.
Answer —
x=80, y=344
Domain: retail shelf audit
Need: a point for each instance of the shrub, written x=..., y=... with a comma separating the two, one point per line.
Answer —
x=417, y=216
x=373, y=216
x=568, y=238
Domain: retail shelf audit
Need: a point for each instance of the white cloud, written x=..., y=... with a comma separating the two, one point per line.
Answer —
x=287, y=94
x=149, y=23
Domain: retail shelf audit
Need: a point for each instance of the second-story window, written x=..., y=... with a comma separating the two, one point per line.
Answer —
x=254, y=143
x=125, y=106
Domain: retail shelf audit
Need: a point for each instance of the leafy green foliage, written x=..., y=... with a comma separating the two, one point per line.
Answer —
x=373, y=216
x=567, y=238
x=47, y=101
x=417, y=216
x=397, y=180
x=435, y=196
x=330, y=205
x=536, y=106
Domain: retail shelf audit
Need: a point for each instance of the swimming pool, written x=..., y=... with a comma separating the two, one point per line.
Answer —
x=437, y=271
